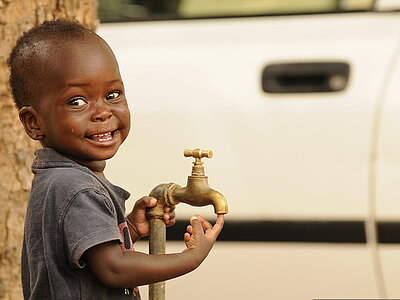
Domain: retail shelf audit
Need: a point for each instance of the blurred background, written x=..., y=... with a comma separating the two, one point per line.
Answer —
x=299, y=102
x=142, y=10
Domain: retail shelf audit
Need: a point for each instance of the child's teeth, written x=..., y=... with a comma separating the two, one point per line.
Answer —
x=102, y=134
x=103, y=137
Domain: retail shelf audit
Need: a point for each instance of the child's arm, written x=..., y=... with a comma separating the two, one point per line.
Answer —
x=128, y=269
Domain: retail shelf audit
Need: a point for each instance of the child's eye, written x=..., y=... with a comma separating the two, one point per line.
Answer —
x=77, y=102
x=113, y=95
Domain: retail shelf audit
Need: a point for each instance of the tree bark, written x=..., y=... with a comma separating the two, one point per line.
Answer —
x=16, y=149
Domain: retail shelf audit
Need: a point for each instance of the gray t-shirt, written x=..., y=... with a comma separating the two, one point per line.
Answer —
x=70, y=210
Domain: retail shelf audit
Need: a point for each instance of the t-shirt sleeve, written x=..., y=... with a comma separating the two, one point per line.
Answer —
x=89, y=220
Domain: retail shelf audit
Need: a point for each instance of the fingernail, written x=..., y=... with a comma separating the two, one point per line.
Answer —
x=153, y=201
x=194, y=218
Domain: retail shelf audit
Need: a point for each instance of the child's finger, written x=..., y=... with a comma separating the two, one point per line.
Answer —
x=170, y=216
x=220, y=220
x=186, y=238
x=219, y=224
x=189, y=229
x=150, y=201
x=145, y=201
x=169, y=219
x=196, y=225
x=169, y=209
x=204, y=223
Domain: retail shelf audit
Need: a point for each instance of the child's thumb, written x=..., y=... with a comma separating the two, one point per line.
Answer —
x=144, y=202
x=196, y=225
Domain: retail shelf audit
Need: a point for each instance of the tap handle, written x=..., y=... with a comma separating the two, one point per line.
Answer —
x=198, y=153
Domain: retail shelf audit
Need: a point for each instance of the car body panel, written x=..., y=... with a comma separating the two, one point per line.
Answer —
x=303, y=156
x=198, y=85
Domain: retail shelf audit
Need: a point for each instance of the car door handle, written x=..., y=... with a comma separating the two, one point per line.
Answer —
x=311, y=77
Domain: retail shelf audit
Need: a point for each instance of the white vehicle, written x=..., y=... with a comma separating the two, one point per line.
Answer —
x=302, y=112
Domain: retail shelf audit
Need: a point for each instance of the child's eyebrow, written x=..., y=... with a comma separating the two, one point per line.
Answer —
x=79, y=84
x=74, y=84
x=114, y=81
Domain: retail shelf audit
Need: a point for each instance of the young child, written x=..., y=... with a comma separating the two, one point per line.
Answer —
x=78, y=241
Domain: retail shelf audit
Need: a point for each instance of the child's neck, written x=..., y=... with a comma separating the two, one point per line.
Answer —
x=96, y=166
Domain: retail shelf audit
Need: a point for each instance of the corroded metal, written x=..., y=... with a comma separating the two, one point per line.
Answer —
x=157, y=236
x=196, y=193
x=157, y=246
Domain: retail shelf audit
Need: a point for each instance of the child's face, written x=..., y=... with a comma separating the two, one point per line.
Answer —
x=83, y=110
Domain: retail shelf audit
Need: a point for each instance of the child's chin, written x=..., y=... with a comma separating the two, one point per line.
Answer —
x=103, y=156
x=108, y=157
x=102, y=153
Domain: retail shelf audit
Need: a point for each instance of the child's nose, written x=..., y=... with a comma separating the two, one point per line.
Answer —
x=101, y=112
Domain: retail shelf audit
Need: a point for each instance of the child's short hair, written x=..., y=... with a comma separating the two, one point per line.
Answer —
x=24, y=60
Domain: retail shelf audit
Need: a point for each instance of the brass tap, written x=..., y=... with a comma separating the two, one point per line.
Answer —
x=197, y=191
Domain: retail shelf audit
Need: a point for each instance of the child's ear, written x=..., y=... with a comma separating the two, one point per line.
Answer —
x=30, y=119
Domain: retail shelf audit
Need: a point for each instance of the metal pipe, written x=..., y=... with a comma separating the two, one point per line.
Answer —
x=157, y=236
x=196, y=193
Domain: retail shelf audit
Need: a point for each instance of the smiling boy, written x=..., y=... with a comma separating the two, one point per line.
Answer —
x=77, y=239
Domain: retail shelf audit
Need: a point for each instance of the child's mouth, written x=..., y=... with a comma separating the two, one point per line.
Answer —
x=102, y=137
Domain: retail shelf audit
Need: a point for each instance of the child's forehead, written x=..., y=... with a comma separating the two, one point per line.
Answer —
x=66, y=51
x=79, y=61
x=63, y=45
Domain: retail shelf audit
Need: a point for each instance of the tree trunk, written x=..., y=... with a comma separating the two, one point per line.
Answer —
x=16, y=149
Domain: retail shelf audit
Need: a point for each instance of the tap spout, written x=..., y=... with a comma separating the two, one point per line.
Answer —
x=197, y=193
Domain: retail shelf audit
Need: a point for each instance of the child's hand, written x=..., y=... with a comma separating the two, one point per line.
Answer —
x=138, y=222
x=201, y=236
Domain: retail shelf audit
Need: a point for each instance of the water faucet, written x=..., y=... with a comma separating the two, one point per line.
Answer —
x=197, y=191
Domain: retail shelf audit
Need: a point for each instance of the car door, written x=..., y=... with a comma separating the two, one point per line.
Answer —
x=293, y=135
x=385, y=182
